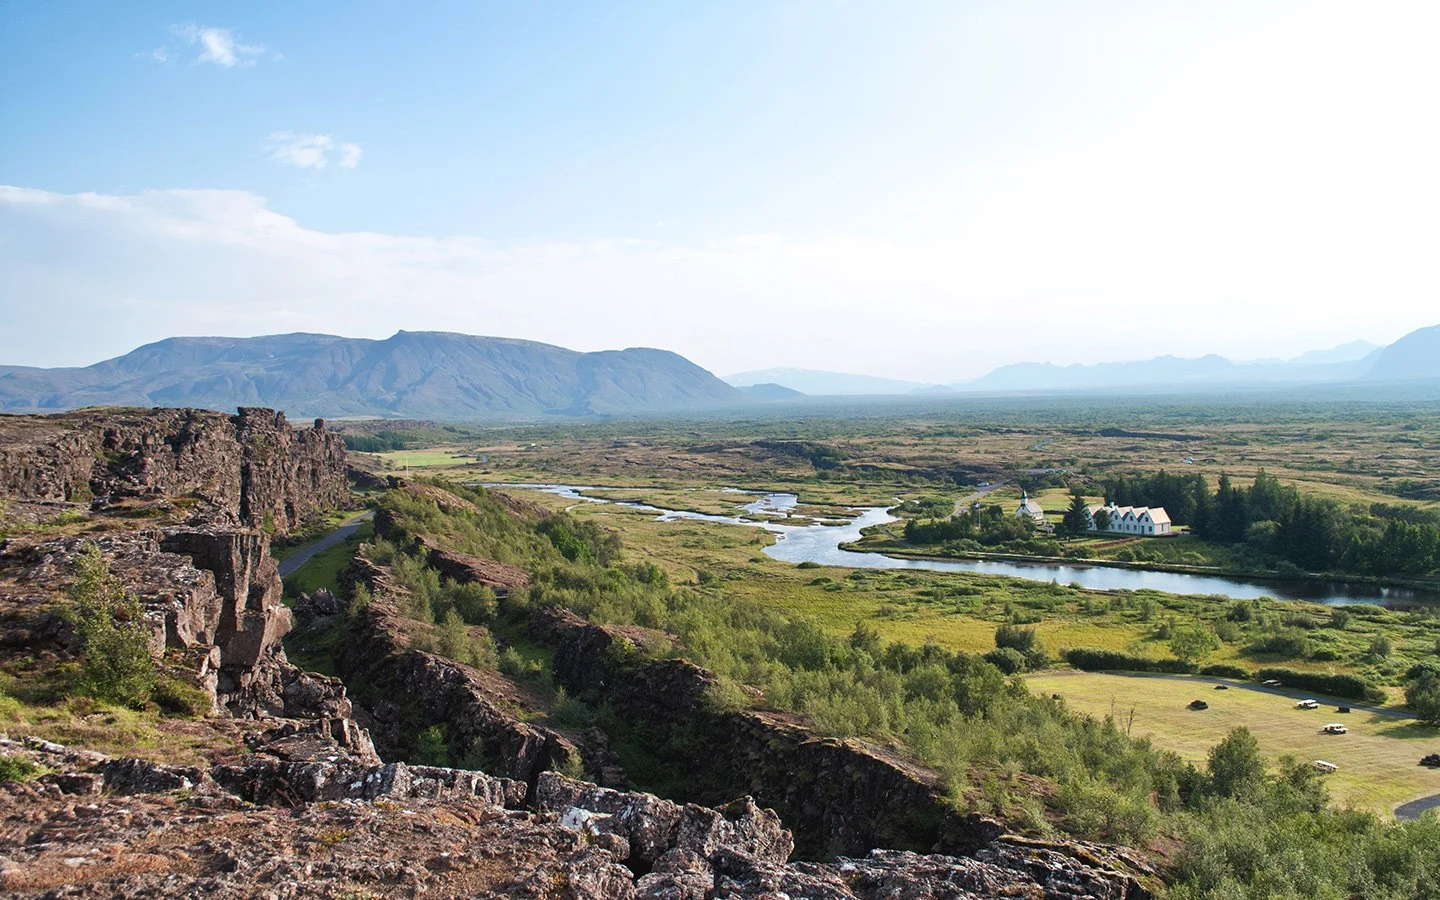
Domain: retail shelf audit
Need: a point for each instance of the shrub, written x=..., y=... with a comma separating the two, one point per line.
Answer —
x=116, y=665
x=1236, y=767
x=18, y=768
x=180, y=698
x=1022, y=640
x=1288, y=643
x=1423, y=697
x=1225, y=670
x=1194, y=643
x=1006, y=659
x=1092, y=660
x=1380, y=646
x=1351, y=687
x=432, y=748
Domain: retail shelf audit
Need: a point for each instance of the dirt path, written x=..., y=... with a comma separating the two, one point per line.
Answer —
x=963, y=504
x=300, y=557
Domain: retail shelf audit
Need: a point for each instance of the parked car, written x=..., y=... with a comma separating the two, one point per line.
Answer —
x=1334, y=728
x=1307, y=704
x=1271, y=682
x=1199, y=704
x=1325, y=768
x=1222, y=687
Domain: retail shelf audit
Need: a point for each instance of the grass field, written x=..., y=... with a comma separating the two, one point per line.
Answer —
x=1377, y=760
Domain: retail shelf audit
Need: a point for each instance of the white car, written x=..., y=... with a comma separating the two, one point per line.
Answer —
x=1334, y=728
x=1307, y=704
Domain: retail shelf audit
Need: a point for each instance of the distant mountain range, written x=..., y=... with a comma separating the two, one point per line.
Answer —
x=1415, y=356
x=438, y=375
x=817, y=383
x=412, y=374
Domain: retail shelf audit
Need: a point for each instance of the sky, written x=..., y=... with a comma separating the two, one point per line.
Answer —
x=917, y=190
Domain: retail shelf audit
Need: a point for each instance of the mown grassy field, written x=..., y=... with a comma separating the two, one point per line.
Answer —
x=1377, y=759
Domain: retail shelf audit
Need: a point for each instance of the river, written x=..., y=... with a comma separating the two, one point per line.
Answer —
x=821, y=544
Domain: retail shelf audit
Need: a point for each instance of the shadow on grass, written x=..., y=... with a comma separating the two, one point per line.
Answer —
x=1405, y=730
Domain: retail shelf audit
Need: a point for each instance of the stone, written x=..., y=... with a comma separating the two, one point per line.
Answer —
x=648, y=824
x=739, y=825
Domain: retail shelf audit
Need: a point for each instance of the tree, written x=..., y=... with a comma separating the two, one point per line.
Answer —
x=114, y=638
x=1236, y=767
x=1194, y=643
x=1422, y=695
x=1102, y=519
x=1074, y=521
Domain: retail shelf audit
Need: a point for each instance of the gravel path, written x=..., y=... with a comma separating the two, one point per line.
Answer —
x=300, y=557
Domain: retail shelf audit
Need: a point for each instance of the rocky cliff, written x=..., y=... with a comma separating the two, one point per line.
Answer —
x=840, y=796
x=252, y=468
x=407, y=690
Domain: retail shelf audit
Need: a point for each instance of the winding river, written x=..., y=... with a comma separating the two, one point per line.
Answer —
x=820, y=544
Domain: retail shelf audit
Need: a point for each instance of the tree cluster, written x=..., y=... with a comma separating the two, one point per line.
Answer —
x=1314, y=533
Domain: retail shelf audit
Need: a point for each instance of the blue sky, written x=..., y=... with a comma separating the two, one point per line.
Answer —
x=919, y=190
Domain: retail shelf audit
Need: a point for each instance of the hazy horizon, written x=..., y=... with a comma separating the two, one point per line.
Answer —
x=925, y=192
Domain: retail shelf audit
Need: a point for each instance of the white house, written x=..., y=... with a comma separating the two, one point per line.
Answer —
x=1148, y=521
x=1029, y=509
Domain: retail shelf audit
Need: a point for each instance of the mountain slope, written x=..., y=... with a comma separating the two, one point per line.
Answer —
x=419, y=374
x=818, y=383
x=770, y=391
x=1416, y=355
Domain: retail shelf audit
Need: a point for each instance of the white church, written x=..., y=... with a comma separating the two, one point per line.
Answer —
x=1141, y=520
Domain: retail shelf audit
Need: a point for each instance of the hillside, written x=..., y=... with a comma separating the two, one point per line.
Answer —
x=434, y=375
x=1416, y=355
x=816, y=383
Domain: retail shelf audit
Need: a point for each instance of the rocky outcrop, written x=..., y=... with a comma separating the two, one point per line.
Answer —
x=252, y=468
x=124, y=827
x=839, y=796
x=500, y=577
x=407, y=690
x=212, y=599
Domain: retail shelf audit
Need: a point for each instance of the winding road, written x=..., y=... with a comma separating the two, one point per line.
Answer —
x=300, y=557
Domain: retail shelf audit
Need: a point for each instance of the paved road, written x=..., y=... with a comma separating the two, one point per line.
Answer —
x=963, y=504
x=304, y=554
x=1411, y=810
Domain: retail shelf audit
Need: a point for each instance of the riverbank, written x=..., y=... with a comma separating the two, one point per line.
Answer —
x=895, y=550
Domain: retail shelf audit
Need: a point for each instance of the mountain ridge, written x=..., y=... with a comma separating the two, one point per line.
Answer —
x=412, y=373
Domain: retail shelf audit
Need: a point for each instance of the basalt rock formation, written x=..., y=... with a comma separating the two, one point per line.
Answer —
x=843, y=796
x=95, y=826
x=407, y=690
x=251, y=469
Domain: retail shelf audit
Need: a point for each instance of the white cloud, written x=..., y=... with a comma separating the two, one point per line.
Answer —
x=221, y=46
x=135, y=268
x=350, y=154
x=312, y=151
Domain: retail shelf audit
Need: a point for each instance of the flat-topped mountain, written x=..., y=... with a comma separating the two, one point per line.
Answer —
x=435, y=375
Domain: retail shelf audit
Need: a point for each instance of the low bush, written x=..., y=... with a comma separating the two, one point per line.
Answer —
x=1093, y=660
x=1351, y=687
x=1225, y=670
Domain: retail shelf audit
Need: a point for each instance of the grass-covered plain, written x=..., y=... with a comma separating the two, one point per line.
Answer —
x=1377, y=759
